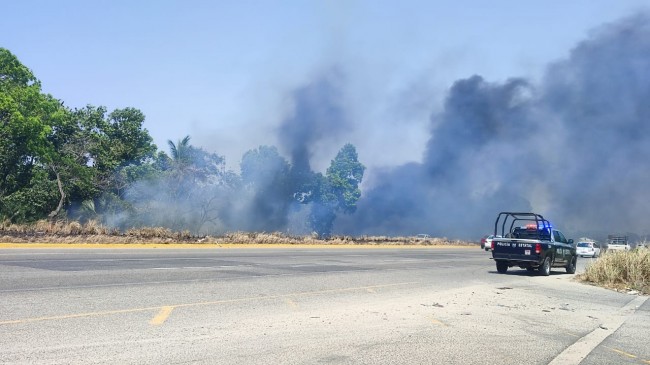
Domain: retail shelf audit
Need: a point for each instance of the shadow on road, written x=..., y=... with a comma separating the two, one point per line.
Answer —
x=519, y=272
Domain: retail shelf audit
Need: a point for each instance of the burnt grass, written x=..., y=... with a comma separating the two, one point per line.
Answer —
x=94, y=233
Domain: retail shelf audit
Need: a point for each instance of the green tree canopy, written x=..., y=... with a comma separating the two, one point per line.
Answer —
x=344, y=176
x=27, y=117
x=337, y=191
x=264, y=166
x=50, y=155
x=180, y=152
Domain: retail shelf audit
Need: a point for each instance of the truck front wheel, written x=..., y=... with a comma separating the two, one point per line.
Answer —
x=545, y=267
x=502, y=267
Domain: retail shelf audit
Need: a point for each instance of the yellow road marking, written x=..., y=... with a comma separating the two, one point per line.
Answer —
x=621, y=352
x=626, y=354
x=215, y=302
x=162, y=316
x=78, y=315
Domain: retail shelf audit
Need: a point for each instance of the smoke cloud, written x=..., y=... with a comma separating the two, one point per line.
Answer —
x=318, y=117
x=574, y=148
x=270, y=194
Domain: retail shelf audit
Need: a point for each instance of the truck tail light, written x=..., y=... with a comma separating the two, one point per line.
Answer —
x=492, y=245
x=538, y=248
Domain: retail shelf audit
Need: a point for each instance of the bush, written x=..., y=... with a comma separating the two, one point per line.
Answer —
x=621, y=270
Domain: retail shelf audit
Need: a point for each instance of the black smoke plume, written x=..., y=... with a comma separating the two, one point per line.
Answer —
x=318, y=118
x=270, y=194
x=575, y=148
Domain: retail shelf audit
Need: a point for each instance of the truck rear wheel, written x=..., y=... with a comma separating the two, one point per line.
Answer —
x=571, y=266
x=502, y=267
x=545, y=267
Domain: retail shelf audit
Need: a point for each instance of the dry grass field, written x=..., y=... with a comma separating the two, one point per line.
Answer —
x=93, y=232
x=622, y=270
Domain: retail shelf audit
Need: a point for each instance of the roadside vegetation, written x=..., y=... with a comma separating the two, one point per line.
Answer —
x=92, y=231
x=95, y=165
x=621, y=270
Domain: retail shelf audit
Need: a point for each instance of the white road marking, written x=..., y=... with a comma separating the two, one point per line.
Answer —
x=198, y=267
x=577, y=352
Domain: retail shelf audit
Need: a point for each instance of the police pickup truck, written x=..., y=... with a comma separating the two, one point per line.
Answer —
x=530, y=242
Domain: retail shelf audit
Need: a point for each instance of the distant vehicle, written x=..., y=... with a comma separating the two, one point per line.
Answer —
x=617, y=243
x=486, y=242
x=423, y=235
x=536, y=245
x=588, y=249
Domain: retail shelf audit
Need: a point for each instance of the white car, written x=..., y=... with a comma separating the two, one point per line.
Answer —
x=588, y=249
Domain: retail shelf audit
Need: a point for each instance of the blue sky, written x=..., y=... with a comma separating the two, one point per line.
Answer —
x=223, y=71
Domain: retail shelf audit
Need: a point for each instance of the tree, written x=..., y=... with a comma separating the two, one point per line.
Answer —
x=26, y=119
x=69, y=161
x=179, y=152
x=188, y=190
x=265, y=175
x=337, y=191
x=96, y=154
x=263, y=166
x=344, y=176
x=51, y=156
x=120, y=141
x=323, y=206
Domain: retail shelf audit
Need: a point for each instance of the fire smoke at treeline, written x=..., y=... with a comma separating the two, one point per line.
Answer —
x=573, y=146
x=89, y=164
x=271, y=194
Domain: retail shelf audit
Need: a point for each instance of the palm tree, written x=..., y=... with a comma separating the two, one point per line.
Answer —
x=180, y=152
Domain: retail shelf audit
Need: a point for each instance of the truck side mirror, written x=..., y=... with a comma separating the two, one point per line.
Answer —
x=570, y=240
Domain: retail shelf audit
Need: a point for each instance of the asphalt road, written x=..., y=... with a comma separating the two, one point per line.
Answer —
x=305, y=306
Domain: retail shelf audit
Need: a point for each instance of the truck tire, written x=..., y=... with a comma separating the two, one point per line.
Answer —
x=502, y=267
x=571, y=266
x=545, y=267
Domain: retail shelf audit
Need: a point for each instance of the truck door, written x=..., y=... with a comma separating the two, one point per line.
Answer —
x=563, y=248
